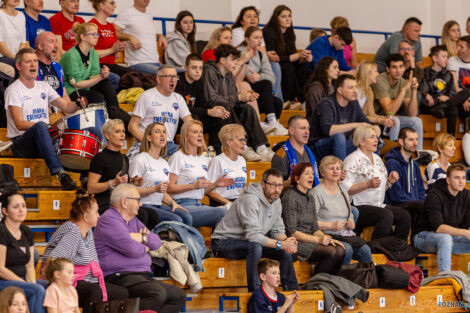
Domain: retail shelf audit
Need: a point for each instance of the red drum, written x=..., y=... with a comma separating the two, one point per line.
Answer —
x=77, y=148
x=54, y=131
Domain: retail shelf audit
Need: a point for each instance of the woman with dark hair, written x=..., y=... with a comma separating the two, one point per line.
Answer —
x=182, y=41
x=300, y=220
x=13, y=300
x=261, y=78
x=279, y=36
x=248, y=17
x=74, y=240
x=17, y=253
x=320, y=84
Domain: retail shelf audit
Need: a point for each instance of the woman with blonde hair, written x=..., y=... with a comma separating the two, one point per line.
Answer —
x=367, y=75
x=189, y=178
x=221, y=35
x=154, y=169
x=349, y=51
x=444, y=143
x=450, y=37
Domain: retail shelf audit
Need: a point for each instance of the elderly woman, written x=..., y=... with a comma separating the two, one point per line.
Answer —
x=109, y=168
x=300, y=220
x=444, y=143
x=17, y=253
x=74, y=240
x=154, y=169
x=335, y=216
x=230, y=162
x=188, y=177
x=366, y=181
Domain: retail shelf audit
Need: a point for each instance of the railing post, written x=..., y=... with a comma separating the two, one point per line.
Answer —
x=164, y=27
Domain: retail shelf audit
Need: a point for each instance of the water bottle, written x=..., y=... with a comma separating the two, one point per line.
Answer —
x=386, y=131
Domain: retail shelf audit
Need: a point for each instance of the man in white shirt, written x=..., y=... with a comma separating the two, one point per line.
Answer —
x=154, y=105
x=27, y=107
x=136, y=26
x=459, y=67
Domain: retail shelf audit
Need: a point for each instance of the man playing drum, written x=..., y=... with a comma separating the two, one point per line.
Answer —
x=27, y=107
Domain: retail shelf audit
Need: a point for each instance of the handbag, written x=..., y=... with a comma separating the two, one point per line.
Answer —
x=391, y=277
x=118, y=306
x=363, y=274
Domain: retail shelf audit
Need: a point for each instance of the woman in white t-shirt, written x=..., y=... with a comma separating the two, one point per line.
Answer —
x=188, y=177
x=230, y=162
x=12, y=31
x=155, y=170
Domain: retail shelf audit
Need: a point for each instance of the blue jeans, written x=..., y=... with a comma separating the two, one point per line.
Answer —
x=337, y=145
x=355, y=213
x=407, y=121
x=200, y=214
x=37, y=143
x=114, y=78
x=35, y=293
x=361, y=254
x=277, y=85
x=149, y=68
x=165, y=214
x=171, y=148
x=237, y=249
x=444, y=244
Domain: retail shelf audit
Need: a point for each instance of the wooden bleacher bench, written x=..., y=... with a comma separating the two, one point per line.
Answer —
x=46, y=229
x=380, y=300
x=48, y=204
x=460, y=262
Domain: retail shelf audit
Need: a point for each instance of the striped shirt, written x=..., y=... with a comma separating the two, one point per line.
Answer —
x=68, y=242
x=434, y=172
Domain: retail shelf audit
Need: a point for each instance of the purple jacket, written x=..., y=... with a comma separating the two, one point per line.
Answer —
x=117, y=251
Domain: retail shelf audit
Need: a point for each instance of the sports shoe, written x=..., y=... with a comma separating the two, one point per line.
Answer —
x=280, y=130
x=266, y=155
x=295, y=106
x=66, y=181
x=251, y=156
x=268, y=128
x=286, y=105
x=5, y=145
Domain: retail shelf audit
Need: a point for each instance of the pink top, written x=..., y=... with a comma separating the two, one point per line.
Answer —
x=80, y=271
x=64, y=301
x=347, y=54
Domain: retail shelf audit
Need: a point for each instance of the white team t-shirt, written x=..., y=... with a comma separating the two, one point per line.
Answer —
x=151, y=107
x=153, y=171
x=222, y=164
x=12, y=30
x=33, y=101
x=141, y=26
x=462, y=69
x=189, y=169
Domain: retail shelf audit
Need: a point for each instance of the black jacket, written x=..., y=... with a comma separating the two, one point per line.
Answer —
x=440, y=207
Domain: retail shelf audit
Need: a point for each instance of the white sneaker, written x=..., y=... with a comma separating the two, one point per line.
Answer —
x=266, y=155
x=295, y=106
x=268, y=128
x=251, y=156
x=280, y=130
x=5, y=145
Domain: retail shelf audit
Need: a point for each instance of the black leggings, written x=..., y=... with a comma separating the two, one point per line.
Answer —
x=383, y=219
x=89, y=293
x=294, y=78
x=328, y=258
x=267, y=102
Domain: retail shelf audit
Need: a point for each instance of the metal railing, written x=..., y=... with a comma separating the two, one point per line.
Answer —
x=164, y=20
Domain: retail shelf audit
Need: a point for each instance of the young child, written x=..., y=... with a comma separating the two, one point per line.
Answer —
x=267, y=299
x=13, y=300
x=61, y=296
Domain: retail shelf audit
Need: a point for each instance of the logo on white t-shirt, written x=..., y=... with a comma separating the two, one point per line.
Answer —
x=175, y=106
x=43, y=95
x=166, y=171
x=204, y=167
x=188, y=165
x=244, y=169
x=156, y=103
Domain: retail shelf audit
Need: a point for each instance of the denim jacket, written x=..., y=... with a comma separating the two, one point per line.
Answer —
x=189, y=236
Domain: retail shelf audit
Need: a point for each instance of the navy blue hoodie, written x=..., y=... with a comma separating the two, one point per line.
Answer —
x=410, y=186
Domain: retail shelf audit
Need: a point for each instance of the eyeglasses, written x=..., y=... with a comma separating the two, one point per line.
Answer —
x=96, y=35
x=170, y=77
x=274, y=186
x=406, y=49
x=136, y=199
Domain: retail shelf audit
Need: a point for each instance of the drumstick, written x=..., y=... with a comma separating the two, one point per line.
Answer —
x=164, y=119
x=73, y=82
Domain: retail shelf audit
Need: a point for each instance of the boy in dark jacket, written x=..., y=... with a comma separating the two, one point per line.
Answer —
x=443, y=226
x=408, y=192
x=266, y=299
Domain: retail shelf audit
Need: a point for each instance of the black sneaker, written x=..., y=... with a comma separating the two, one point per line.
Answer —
x=66, y=182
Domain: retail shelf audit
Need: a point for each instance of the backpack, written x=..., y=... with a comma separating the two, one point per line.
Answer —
x=5, y=81
x=8, y=184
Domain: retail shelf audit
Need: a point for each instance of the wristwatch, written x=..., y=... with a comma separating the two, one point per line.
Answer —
x=144, y=238
x=278, y=245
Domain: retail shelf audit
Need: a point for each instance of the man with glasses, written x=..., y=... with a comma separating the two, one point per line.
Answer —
x=159, y=104
x=253, y=228
x=122, y=243
x=407, y=51
x=62, y=24
x=411, y=31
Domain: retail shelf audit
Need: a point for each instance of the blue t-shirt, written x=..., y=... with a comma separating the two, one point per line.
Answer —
x=320, y=48
x=260, y=302
x=34, y=28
